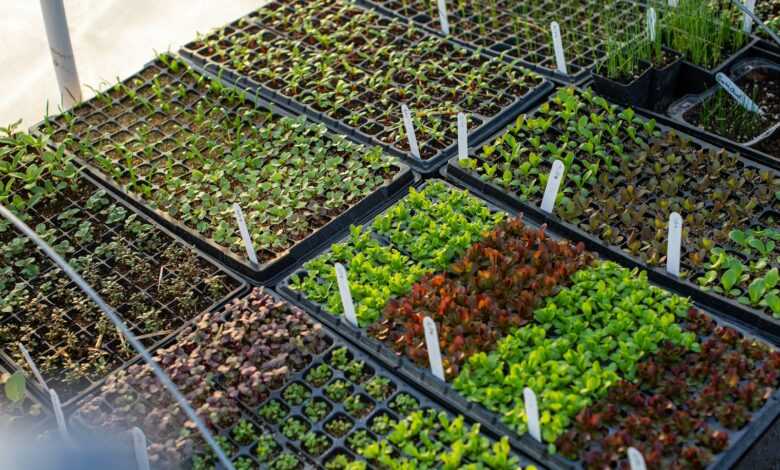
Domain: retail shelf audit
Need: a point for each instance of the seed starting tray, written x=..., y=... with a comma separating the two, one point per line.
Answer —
x=742, y=314
x=130, y=122
x=85, y=333
x=489, y=112
x=528, y=42
x=337, y=444
x=740, y=441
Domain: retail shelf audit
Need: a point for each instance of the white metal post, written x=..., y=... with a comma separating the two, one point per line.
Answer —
x=61, y=51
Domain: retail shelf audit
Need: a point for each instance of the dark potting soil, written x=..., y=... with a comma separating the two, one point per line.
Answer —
x=722, y=115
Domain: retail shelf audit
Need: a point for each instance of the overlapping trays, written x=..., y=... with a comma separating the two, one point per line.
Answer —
x=154, y=281
x=185, y=148
x=353, y=68
x=285, y=392
x=625, y=175
x=610, y=356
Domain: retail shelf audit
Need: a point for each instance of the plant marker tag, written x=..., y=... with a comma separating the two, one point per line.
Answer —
x=532, y=413
x=651, y=20
x=445, y=23
x=673, y=3
x=553, y=185
x=159, y=278
x=636, y=460
x=737, y=93
x=139, y=448
x=747, y=21
x=674, y=239
x=346, y=295
x=410, y=132
x=57, y=406
x=32, y=365
x=250, y=247
x=560, y=58
x=463, y=138
x=432, y=345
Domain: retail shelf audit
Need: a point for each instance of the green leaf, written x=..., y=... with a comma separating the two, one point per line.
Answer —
x=731, y=277
x=756, y=291
x=773, y=301
x=15, y=387
x=738, y=236
x=772, y=278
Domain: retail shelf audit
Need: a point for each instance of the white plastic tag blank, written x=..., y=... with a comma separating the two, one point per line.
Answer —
x=463, y=138
x=443, y=20
x=432, y=344
x=674, y=240
x=737, y=93
x=346, y=294
x=250, y=247
x=410, y=135
x=560, y=57
x=532, y=413
x=553, y=186
x=636, y=460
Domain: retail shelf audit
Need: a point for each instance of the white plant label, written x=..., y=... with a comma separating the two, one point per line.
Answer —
x=560, y=58
x=346, y=294
x=159, y=278
x=59, y=415
x=250, y=246
x=553, y=185
x=674, y=240
x=636, y=460
x=673, y=3
x=33, y=367
x=747, y=21
x=737, y=93
x=443, y=20
x=651, y=20
x=463, y=138
x=432, y=345
x=139, y=448
x=409, y=126
x=532, y=413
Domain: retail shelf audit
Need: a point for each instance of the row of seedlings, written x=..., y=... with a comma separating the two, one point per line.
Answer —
x=614, y=361
x=521, y=31
x=354, y=68
x=188, y=149
x=284, y=392
x=625, y=175
x=153, y=281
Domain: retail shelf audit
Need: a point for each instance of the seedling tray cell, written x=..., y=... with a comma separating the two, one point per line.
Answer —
x=679, y=183
x=520, y=31
x=20, y=412
x=153, y=280
x=739, y=441
x=184, y=148
x=329, y=396
x=292, y=53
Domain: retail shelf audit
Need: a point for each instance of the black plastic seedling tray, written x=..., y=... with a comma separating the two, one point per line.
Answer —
x=239, y=263
x=754, y=59
x=745, y=315
x=33, y=397
x=499, y=48
x=241, y=287
x=425, y=166
x=399, y=385
x=741, y=441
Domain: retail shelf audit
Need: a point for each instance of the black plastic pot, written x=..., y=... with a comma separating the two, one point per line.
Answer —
x=740, y=441
x=664, y=83
x=634, y=93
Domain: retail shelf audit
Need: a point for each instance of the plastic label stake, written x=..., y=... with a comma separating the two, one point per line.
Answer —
x=553, y=185
x=432, y=345
x=33, y=367
x=636, y=460
x=560, y=58
x=463, y=138
x=250, y=247
x=673, y=3
x=532, y=413
x=651, y=20
x=737, y=93
x=139, y=448
x=747, y=21
x=443, y=20
x=674, y=239
x=410, y=135
x=58, y=414
x=346, y=295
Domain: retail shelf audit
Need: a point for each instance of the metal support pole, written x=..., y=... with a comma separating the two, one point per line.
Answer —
x=61, y=49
